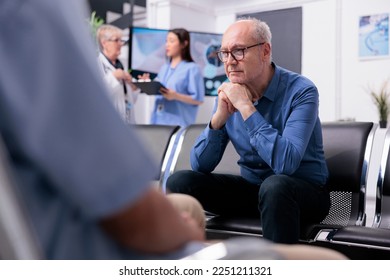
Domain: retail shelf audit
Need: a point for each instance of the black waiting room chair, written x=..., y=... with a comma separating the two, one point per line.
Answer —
x=378, y=234
x=347, y=147
x=159, y=141
x=181, y=158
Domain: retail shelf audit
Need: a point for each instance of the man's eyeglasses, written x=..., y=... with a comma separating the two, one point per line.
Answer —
x=118, y=40
x=237, y=54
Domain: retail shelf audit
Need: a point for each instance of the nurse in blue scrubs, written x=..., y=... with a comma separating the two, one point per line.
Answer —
x=179, y=101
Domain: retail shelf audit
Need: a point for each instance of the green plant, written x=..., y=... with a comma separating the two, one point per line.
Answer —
x=381, y=100
x=95, y=22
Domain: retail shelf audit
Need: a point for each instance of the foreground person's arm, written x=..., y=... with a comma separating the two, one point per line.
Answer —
x=151, y=225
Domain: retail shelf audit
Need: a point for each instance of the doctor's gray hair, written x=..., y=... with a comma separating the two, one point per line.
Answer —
x=105, y=32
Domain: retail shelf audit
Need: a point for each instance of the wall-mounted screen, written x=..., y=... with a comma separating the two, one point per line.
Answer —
x=147, y=54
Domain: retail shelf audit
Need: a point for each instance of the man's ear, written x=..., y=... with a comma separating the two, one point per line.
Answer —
x=266, y=51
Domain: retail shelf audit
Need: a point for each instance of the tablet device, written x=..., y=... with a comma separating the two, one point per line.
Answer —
x=135, y=73
x=150, y=88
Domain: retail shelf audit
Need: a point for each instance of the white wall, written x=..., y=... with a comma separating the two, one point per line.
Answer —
x=357, y=74
x=319, y=59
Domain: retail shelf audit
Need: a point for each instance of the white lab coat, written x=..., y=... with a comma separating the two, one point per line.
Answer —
x=116, y=91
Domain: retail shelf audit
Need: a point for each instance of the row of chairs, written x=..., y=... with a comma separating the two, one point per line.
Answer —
x=348, y=147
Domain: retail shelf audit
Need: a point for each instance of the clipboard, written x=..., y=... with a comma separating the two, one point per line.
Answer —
x=150, y=88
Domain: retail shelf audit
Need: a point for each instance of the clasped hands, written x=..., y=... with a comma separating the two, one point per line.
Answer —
x=233, y=97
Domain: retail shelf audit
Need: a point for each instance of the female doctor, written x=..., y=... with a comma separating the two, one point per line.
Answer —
x=123, y=93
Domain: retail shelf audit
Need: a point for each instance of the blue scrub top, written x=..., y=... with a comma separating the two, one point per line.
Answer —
x=185, y=78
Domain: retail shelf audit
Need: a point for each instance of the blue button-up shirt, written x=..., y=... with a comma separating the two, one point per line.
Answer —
x=283, y=137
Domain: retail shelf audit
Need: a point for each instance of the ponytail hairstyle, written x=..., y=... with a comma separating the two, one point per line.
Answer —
x=183, y=36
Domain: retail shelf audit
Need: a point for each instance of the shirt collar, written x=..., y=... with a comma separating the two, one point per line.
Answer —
x=270, y=91
x=117, y=64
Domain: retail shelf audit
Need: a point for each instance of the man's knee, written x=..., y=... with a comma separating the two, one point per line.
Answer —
x=181, y=181
x=274, y=187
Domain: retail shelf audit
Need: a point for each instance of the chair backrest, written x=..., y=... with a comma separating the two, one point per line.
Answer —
x=159, y=140
x=181, y=159
x=17, y=236
x=347, y=147
x=382, y=203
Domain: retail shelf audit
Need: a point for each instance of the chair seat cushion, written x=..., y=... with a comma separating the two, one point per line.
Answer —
x=363, y=235
x=245, y=226
x=236, y=224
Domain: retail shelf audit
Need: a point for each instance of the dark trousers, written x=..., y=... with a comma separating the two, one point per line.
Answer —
x=282, y=202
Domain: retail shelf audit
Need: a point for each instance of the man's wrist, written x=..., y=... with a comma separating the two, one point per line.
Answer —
x=215, y=125
x=247, y=110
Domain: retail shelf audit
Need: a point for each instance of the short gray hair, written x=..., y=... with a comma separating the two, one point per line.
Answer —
x=262, y=30
x=105, y=32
